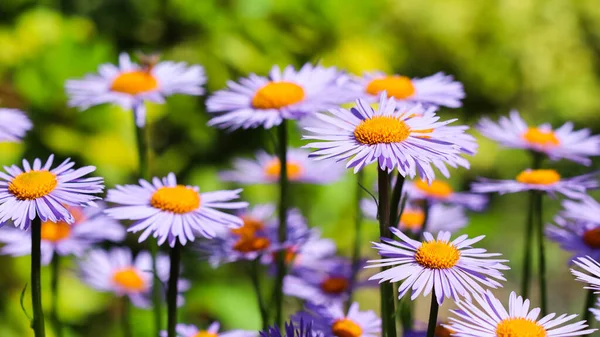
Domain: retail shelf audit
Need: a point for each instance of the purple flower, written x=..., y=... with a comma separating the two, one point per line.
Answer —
x=440, y=191
x=189, y=330
x=292, y=329
x=580, y=238
x=13, y=125
x=333, y=321
x=584, y=209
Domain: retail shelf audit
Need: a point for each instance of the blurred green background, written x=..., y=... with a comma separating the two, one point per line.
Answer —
x=538, y=56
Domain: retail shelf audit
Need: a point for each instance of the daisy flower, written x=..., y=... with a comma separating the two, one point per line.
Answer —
x=91, y=226
x=129, y=85
x=585, y=209
x=13, y=125
x=118, y=272
x=386, y=136
x=173, y=212
x=292, y=329
x=440, y=217
x=332, y=321
x=267, y=101
x=40, y=191
x=580, y=238
x=189, y=330
x=561, y=143
x=315, y=254
x=438, y=89
x=440, y=191
x=544, y=180
x=267, y=168
x=491, y=319
x=450, y=268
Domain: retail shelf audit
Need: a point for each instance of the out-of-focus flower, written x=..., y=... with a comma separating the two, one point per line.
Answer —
x=173, y=212
x=491, y=319
x=579, y=237
x=451, y=268
x=267, y=168
x=440, y=331
x=266, y=101
x=585, y=209
x=13, y=125
x=440, y=191
x=302, y=328
x=561, y=143
x=332, y=321
x=189, y=330
x=129, y=85
x=39, y=191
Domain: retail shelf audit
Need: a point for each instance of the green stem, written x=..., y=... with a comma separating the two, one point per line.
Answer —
x=172, y=289
x=126, y=317
x=541, y=254
x=433, y=315
x=387, y=292
x=55, y=273
x=254, y=276
x=282, y=230
x=589, y=303
x=36, y=287
x=528, y=246
x=357, y=236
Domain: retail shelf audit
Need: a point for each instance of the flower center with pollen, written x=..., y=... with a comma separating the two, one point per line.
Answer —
x=519, y=327
x=277, y=95
x=177, y=199
x=273, y=169
x=134, y=82
x=335, y=285
x=251, y=244
x=545, y=138
x=249, y=228
x=437, y=188
x=380, y=130
x=55, y=231
x=396, y=86
x=33, y=184
x=129, y=279
x=346, y=327
x=592, y=238
x=205, y=333
x=437, y=255
x=538, y=177
x=412, y=219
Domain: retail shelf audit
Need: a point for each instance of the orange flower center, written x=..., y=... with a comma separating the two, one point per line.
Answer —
x=541, y=137
x=204, y=333
x=520, y=327
x=294, y=169
x=134, y=82
x=592, y=238
x=335, y=285
x=249, y=228
x=177, y=199
x=129, y=279
x=437, y=188
x=32, y=185
x=277, y=95
x=437, y=255
x=381, y=130
x=412, y=219
x=538, y=177
x=55, y=231
x=400, y=87
x=345, y=327
x=251, y=244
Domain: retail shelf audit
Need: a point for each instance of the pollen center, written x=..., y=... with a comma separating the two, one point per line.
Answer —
x=33, y=184
x=437, y=255
x=273, y=169
x=177, y=199
x=412, y=219
x=592, y=238
x=277, y=95
x=380, y=130
x=437, y=188
x=251, y=244
x=55, y=231
x=249, y=228
x=519, y=327
x=335, y=285
x=545, y=138
x=134, y=82
x=204, y=333
x=538, y=177
x=129, y=279
x=346, y=327
x=400, y=87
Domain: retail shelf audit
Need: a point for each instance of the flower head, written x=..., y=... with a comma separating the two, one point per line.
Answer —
x=578, y=237
x=266, y=101
x=40, y=191
x=452, y=268
x=267, y=168
x=491, y=319
x=440, y=191
x=561, y=143
x=585, y=209
x=129, y=85
x=189, y=330
x=13, y=125
x=332, y=321
x=302, y=328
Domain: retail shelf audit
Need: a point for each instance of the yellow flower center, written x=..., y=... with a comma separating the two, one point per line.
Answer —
x=380, y=130
x=273, y=169
x=251, y=244
x=441, y=331
x=55, y=231
x=345, y=327
x=177, y=199
x=592, y=238
x=412, y=219
x=437, y=255
x=437, y=188
x=335, y=285
x=519, y=327
x=33, y=184
x=541, y=137
x=400, y=87
x=277, y=95
x=538, y=177
x=134, y=82
x=204, y=333
x=129, y=279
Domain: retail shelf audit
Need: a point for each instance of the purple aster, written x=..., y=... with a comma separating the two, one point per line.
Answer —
x=173, y=212
x=332, y=321
x=285, y=94
x=585, y=209
x=91, y=226
x=129, y=85
x=13, y=125
x=387, y=136
x=450, y=268
x=563, y=142
x=487, y=317
x=189, y=330
x=266, y=169
x=578, y=237
x=314, y=254
x=440, y=191
x=40, y=191
x=292, y=329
